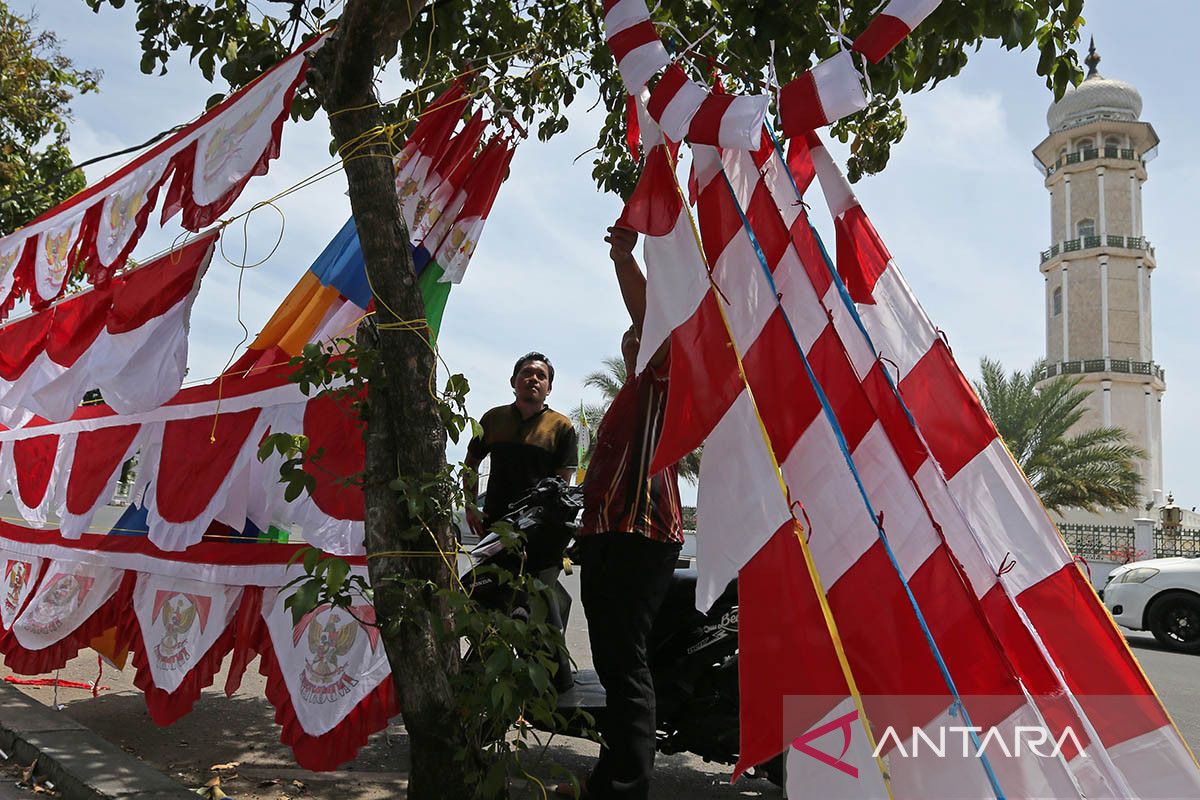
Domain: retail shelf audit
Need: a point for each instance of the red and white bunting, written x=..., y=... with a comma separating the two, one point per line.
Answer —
x=634, y=42
x=198, y=464
x=685, y=109
x=205, y=167
x=891, y=26
x=993, y=525
x=414, y=165
x=823, y=95
x=183, y=615
x=127, y=338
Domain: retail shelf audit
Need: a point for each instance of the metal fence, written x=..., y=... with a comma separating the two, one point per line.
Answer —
x=1170, y=542
x=1103, y=542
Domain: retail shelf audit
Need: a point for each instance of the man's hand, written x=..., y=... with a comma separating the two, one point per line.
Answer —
x=474, y=521
x=621, y=243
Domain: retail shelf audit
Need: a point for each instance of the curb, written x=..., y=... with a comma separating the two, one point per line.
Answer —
x=81, y=764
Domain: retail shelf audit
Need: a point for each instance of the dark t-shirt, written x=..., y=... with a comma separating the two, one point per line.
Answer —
x=523, y=452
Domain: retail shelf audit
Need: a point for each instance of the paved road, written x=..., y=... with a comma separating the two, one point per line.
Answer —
x=242, y=729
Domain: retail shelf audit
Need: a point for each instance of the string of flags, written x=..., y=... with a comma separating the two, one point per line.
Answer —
x=849, y=476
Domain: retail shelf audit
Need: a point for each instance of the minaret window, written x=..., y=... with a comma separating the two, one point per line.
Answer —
x=1085, y=228
x=1057, y=302
x=1082, y=144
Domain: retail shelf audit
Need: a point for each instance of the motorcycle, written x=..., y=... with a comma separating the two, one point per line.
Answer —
x=694, y=656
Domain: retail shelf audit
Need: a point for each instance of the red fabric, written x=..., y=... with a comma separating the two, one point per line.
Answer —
x=784, y=649
x=34, y=459
x=705, y=127
x=812, y=255
x=76, y=324
x=113, y=613
x=98, y=454
x=461, y=148
x=946, y=410
x=21, y=342
x=896, y=425
x=630, y=39
x=718, y=218
x=769, y=229
x=633, y=127
x=1081, y=636
x=861, y=254
x=704, y=383
x=673, y=79
x=799, y=160
x=800, y=106
x=193, y=467
x=167, y=707
x=880, y=37
x=655, y=205
x=483, y=184
x=334, y=429
x=845, y=394
x=785, y=397
x=159, y=286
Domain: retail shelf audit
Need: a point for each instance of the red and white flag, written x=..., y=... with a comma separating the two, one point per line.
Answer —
x=995, y=525
x=685, y=109
x=891, y=26
x=634, y=42
x=823, y=95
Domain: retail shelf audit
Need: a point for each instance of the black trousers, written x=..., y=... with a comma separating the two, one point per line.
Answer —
x=624, y=579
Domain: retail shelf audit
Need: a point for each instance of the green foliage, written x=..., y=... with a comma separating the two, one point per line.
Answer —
x=536, y=56
x=37, y=84
x=1092, y=469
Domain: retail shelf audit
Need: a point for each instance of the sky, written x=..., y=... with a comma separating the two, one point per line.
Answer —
x=961, y=206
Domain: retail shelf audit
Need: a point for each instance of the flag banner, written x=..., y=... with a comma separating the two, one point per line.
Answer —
x=891, y=26
x=204, y=166
x=634, y=42
x=127, y=338
x=198, y=464
x=183, y=614
x=823, y=95
x=988, y=517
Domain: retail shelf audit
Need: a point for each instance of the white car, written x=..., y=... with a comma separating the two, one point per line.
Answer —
x=1162, y=596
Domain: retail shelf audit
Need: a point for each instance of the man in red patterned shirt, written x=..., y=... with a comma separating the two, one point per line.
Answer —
x=630, y=537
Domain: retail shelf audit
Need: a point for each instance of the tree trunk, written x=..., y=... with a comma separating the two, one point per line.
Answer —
x=404, y=434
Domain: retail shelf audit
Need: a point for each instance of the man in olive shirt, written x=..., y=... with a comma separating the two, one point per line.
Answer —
x=527, y=440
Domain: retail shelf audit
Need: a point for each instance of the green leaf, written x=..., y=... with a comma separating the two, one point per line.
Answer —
x=335, y=577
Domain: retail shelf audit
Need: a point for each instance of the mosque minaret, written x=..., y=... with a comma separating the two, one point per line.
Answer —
x=1098, y=265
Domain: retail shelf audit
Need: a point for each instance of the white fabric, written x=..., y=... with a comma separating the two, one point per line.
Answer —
x=625, y=14
x=838, y=194
x=120, y=208
x=641, y=63
x=744, y=289
x=809, y=775
x=677, y=115
x=180, y=620
x=52, y=258
x=229, y=146
x=72, y=526
x=839, y=86
x=1157, y=765
x=910, y=12
x=742, y=122
x=18, y=575
x=69, y=594
x=676, y=283
x=11, y=248
x=330, y=662
x=740, y=504
x=899, y=328
x=455, y=251
x=995, y=498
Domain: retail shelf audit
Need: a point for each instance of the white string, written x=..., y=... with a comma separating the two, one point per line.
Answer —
x=772, y=79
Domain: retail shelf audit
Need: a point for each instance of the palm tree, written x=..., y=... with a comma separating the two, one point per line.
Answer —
x=609, y=381
x=1093, y=469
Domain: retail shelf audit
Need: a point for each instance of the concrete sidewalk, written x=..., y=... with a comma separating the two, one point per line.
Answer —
x=80, y=763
